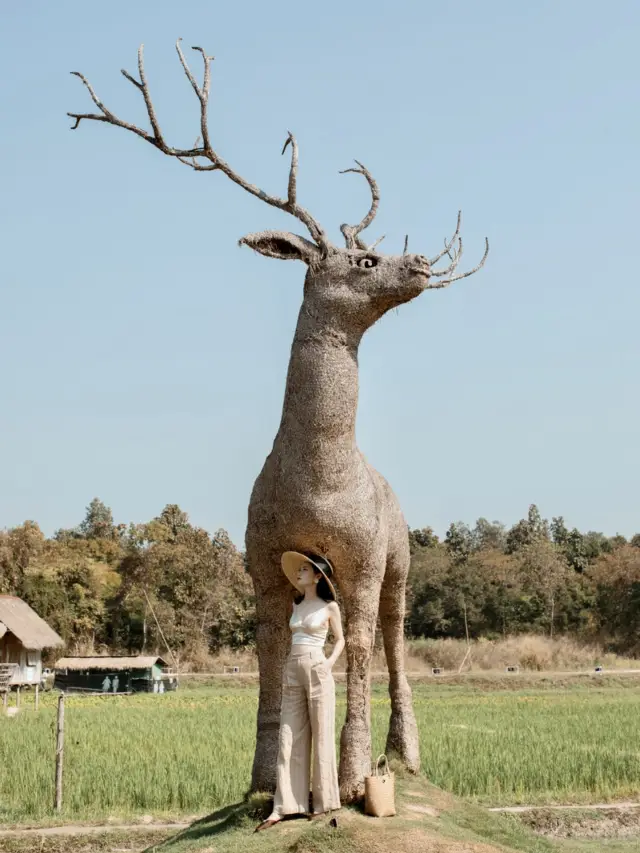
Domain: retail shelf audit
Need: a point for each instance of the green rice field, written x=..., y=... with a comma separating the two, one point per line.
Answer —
x=190, y=752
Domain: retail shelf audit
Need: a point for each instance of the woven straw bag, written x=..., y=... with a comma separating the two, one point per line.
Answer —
x=379, y=791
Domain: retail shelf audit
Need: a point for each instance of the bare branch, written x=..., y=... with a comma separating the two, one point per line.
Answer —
x=197, y=167
x=351, y=232
x=131, y=79
x=202, y=93
x=206, y=82
x=377, y=242
x=189, y=157
x=107, y=115
x=434, y=285
x=455, y=259
x=187, y=70
x=147, y=99
x=406, y=244
x=447, y=246
x=96, y=100
x=293, y=171
x=447, y=250
x=79, y=116
x=193, y=163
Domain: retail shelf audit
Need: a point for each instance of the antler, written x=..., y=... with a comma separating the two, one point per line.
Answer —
x=351, y=232
x=193, y=157
x=445, y=277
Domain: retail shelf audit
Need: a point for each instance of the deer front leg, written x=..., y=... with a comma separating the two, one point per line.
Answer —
x=361, y=610
x=402, y=739
x=273, y=638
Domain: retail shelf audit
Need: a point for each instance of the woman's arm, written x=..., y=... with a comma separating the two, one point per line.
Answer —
x=335, y=623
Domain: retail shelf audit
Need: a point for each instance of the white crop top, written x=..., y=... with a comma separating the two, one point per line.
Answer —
x=310, y=630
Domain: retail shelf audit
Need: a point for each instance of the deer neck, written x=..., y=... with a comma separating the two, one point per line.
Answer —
x=318, y=428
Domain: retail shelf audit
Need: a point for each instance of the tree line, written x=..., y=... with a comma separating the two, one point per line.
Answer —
x=167, y=584
x=537, y=576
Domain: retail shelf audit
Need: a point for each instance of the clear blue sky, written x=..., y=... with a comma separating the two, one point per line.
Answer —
x=143, y=354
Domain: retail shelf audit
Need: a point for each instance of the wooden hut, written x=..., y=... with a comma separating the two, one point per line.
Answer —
x=126, y=674
x=23, y=638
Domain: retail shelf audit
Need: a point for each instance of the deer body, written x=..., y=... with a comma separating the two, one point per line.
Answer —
x=316, y=491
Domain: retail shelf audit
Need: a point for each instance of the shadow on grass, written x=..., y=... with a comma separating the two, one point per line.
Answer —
x=244, y=816
x=219, y=821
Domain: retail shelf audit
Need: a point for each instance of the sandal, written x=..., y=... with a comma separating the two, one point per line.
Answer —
x=267, y=824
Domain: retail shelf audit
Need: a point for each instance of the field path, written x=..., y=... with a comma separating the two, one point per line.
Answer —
x=584, y=807
x=82, y=829
x=542, y=673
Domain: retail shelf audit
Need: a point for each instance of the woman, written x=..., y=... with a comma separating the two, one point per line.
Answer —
x=308, y=694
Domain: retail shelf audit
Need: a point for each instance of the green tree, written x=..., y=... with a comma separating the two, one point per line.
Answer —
x=19, y=547
x=543, y=570
x=195, y=585
x=175, y=520
x=488, y=535
x=527, y=530
x=617, y=579
x=572, y=543
x=423, y=538
x=426, y=600
x=459, y=542
x=98, y=522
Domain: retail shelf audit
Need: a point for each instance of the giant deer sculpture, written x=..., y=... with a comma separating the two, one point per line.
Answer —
x=316, y=491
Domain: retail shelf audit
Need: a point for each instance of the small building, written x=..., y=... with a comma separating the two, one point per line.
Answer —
x=23, y=638
x=123, y=674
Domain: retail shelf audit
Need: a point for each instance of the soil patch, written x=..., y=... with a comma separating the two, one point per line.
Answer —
x=585, y=823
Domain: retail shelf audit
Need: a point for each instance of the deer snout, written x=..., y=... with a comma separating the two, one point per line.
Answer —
x=418, y=264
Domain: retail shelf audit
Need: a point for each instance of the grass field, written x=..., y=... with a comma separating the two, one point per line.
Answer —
x=190, y=752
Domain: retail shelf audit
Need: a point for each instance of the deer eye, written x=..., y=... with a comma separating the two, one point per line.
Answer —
x=367, y=263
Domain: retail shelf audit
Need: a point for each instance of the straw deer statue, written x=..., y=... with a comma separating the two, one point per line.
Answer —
x=317, y=492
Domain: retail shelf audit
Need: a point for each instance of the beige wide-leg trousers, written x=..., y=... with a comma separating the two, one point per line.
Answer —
x=308, y=714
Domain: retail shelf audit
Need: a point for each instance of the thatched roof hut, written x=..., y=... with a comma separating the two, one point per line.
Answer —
x=24, y=623
x=117, y=664
x=23, y=637
x=122, y=674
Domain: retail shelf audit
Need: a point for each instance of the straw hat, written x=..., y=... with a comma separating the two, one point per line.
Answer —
x=292, y=560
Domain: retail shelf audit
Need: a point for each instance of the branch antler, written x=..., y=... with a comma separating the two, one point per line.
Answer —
x=443, y=278
x=448, y=245
x=351, y=233
x=193, y=157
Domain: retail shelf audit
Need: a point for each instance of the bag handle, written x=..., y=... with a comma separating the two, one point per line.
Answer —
x=387, y=772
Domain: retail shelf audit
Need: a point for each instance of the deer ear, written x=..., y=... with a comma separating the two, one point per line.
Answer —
x=281, y=244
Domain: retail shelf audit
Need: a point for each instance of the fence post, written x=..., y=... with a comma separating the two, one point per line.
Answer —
x=37, y=696
x=59, y=752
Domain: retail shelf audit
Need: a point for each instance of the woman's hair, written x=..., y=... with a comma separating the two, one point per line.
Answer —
x=323, y=589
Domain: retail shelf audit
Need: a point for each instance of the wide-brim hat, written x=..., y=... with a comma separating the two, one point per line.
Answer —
x=292, y=560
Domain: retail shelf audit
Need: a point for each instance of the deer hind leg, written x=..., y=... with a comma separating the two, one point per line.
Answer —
x=402, y=739
x=273, y=638
x=361, y=610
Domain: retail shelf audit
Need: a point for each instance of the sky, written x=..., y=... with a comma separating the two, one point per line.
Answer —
x=143, y=354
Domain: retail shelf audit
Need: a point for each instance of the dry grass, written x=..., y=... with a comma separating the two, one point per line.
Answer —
x=530, y=652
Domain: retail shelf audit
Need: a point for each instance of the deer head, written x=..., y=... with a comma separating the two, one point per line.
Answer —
x=354, y=284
